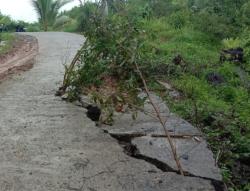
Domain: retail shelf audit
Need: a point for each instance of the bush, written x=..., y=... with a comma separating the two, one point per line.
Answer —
x=245, y=13
x=215, y=25
x=179, y=19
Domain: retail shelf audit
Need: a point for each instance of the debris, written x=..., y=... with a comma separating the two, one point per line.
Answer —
x=215, y=78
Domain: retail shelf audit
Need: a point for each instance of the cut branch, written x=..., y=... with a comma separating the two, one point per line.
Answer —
x=70, y=69
x=168, y=136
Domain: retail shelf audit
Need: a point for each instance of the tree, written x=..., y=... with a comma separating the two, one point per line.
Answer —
x=48, y=10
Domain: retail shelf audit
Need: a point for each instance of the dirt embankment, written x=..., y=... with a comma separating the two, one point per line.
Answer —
x=21, y=57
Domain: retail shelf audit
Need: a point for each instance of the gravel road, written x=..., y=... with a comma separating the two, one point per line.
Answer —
x=50, y=145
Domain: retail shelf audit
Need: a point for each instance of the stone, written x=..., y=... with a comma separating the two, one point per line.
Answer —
x=2, y=43
x=65, y=96
x=166, y=85
x=215, y=78
x=85, y=101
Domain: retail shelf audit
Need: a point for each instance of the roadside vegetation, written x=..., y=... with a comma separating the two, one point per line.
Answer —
x=6, y=39
x=200, y=50
x=185, y=44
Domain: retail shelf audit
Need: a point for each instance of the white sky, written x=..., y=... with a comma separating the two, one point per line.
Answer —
x=23, y=10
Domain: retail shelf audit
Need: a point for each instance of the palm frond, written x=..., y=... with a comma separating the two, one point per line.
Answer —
x=47, y=10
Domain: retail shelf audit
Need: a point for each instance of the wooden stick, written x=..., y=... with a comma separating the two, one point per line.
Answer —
x=181, y=136
x=173, y=148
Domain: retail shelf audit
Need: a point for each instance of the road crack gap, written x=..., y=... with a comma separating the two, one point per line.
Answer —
x=125, y=141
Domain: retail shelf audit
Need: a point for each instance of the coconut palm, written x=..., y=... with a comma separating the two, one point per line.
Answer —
x=48, y=10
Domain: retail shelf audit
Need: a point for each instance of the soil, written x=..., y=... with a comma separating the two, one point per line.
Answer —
x=20, y=57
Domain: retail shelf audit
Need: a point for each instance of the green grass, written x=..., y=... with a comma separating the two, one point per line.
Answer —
x=8, y=39
x=221, y=111
x=196, y=48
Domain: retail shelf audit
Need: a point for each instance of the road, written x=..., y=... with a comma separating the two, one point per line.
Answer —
x=50, y=145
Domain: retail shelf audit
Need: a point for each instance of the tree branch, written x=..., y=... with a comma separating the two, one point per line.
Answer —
x=168, y=136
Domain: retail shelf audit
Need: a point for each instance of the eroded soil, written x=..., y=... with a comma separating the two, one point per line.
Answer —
x=20, y=57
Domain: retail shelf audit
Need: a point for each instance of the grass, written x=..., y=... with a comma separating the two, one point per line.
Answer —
x=220, y=111
x=8, y=39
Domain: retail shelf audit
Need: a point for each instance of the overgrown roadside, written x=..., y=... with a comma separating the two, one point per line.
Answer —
x=201, y=77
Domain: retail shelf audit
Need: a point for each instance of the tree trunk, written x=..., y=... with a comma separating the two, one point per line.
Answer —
x=45, y=26
x=81, y=3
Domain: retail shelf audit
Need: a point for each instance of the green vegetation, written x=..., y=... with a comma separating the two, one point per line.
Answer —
x=6, y=41
x=180, y=42
x=48, y=10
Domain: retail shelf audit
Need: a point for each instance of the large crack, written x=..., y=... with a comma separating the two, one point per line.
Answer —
x=133, y=151
x=125, y=141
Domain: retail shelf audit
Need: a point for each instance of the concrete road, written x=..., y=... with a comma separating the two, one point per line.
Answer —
x=50, y=145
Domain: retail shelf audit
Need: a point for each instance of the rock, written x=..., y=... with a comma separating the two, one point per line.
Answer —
x=174, y=94
x=215, y=78
x=2, y=43
x=170, y=90
x=77, y=103
x=166, y=85
x=85, y=101
x=65, y=96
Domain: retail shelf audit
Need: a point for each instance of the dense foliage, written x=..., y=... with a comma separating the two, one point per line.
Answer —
x=180, y=42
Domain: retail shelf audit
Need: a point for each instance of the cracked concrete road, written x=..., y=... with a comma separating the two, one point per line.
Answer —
x=49, y=145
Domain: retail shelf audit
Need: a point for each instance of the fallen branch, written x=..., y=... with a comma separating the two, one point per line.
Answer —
x=69, y=71
x=168, y=136
x=185, y=136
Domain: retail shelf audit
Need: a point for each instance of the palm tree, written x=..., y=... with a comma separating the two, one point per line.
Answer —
x=48, y=10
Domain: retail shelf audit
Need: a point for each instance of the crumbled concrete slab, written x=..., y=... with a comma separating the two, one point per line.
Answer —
x=161, y=106
x=149, y=125
x=195, y=157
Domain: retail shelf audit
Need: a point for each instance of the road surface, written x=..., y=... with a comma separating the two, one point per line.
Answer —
x=50, y=145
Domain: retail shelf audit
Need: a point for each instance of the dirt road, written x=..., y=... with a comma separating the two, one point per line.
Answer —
x=50, y=145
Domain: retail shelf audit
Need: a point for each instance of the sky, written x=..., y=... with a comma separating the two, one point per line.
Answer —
x=23, y=10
